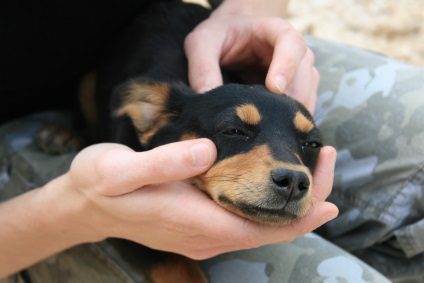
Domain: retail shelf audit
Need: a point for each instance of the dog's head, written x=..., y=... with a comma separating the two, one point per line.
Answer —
x=267, y=144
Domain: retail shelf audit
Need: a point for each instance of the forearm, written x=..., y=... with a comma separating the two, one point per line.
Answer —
x=38, y=224
x=274, y=8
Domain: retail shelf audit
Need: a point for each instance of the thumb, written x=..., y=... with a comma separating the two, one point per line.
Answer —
x=122, y=171
x=177, y=161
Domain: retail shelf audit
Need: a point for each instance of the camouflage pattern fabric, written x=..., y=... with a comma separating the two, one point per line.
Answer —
x=369, y=109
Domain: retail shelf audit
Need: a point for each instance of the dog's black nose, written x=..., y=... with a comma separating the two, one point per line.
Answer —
x=290, y=183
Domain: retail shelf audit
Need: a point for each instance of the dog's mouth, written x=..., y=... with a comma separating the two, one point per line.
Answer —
x=261, y=189
x=267, y=211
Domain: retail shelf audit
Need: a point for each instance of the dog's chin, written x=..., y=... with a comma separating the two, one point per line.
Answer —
x=266, y=214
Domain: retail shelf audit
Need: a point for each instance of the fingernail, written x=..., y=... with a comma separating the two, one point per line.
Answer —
x=280, y=83
x=201, y=155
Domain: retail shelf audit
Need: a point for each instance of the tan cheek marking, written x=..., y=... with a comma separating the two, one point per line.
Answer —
x=302, y=123
x=249, y=114
x=245, y=177
x=221, y=175
x=254, y=167
x=189, y=136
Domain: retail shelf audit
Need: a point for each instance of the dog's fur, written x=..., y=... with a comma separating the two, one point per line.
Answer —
x=267, y=144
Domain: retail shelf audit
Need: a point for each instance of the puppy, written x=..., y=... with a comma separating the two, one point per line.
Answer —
x=267, y=144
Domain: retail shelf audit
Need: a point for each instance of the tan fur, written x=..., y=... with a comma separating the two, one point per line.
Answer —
x=178, y=269
x=302, y=123
x=188, y=136
x=144, y=103
x=245, y=178
x=249, y=114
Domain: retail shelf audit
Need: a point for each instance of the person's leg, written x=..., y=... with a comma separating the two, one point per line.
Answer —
x=306, y=259
x=24, y=166
x=370, y=108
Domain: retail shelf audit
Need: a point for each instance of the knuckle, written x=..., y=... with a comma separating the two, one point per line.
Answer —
x=105, y=167
x=105, y=163
x=189, y=40
x=297, y=38
x=195, y=37
x=290, y=68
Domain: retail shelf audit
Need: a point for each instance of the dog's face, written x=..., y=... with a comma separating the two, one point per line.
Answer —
x=267, y=144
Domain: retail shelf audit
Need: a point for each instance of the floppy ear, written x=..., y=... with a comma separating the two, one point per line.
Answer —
x=147, y=105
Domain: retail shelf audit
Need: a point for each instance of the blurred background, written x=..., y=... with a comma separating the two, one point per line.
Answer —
x=391, y=27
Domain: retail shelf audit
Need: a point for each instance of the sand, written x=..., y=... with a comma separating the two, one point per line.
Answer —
x=391, y=27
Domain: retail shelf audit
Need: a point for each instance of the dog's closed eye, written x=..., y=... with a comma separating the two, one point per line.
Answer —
x=234, y=132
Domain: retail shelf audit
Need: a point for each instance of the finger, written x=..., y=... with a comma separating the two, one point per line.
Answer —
x=314, y=91
x=303, y=82
x=324, y=173
x=203, y=52
x=125, y=171
x=245, y=234
x=289, y=50
x=318, y=215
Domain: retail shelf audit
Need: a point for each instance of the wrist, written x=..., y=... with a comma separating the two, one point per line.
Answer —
x=69, y=214
x=260, y=8
x=40, y=223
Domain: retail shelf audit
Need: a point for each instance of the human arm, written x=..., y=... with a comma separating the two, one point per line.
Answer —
x=111, y=191
x=253, y=38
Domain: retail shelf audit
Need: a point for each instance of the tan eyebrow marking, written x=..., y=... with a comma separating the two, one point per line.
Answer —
x=249, y=114
x=302, y=123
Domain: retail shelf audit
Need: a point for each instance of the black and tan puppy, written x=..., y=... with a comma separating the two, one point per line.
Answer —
x=267, y=144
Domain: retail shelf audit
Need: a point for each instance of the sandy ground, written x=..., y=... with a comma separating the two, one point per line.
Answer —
x=392, y=27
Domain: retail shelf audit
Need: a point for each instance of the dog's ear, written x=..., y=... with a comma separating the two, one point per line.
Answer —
x=148, y=105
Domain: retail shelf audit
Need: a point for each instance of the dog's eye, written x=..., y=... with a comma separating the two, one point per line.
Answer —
x=313, y=144
x=233, y=132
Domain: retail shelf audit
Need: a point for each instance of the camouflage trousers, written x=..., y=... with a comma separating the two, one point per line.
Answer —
x=369, y=109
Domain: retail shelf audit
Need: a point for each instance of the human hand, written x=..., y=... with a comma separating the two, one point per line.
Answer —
x=134, y=196
x=255, y=47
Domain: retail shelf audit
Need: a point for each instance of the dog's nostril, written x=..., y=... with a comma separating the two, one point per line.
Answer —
x=290, y=182
x=283, y=183
x=303, y=186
